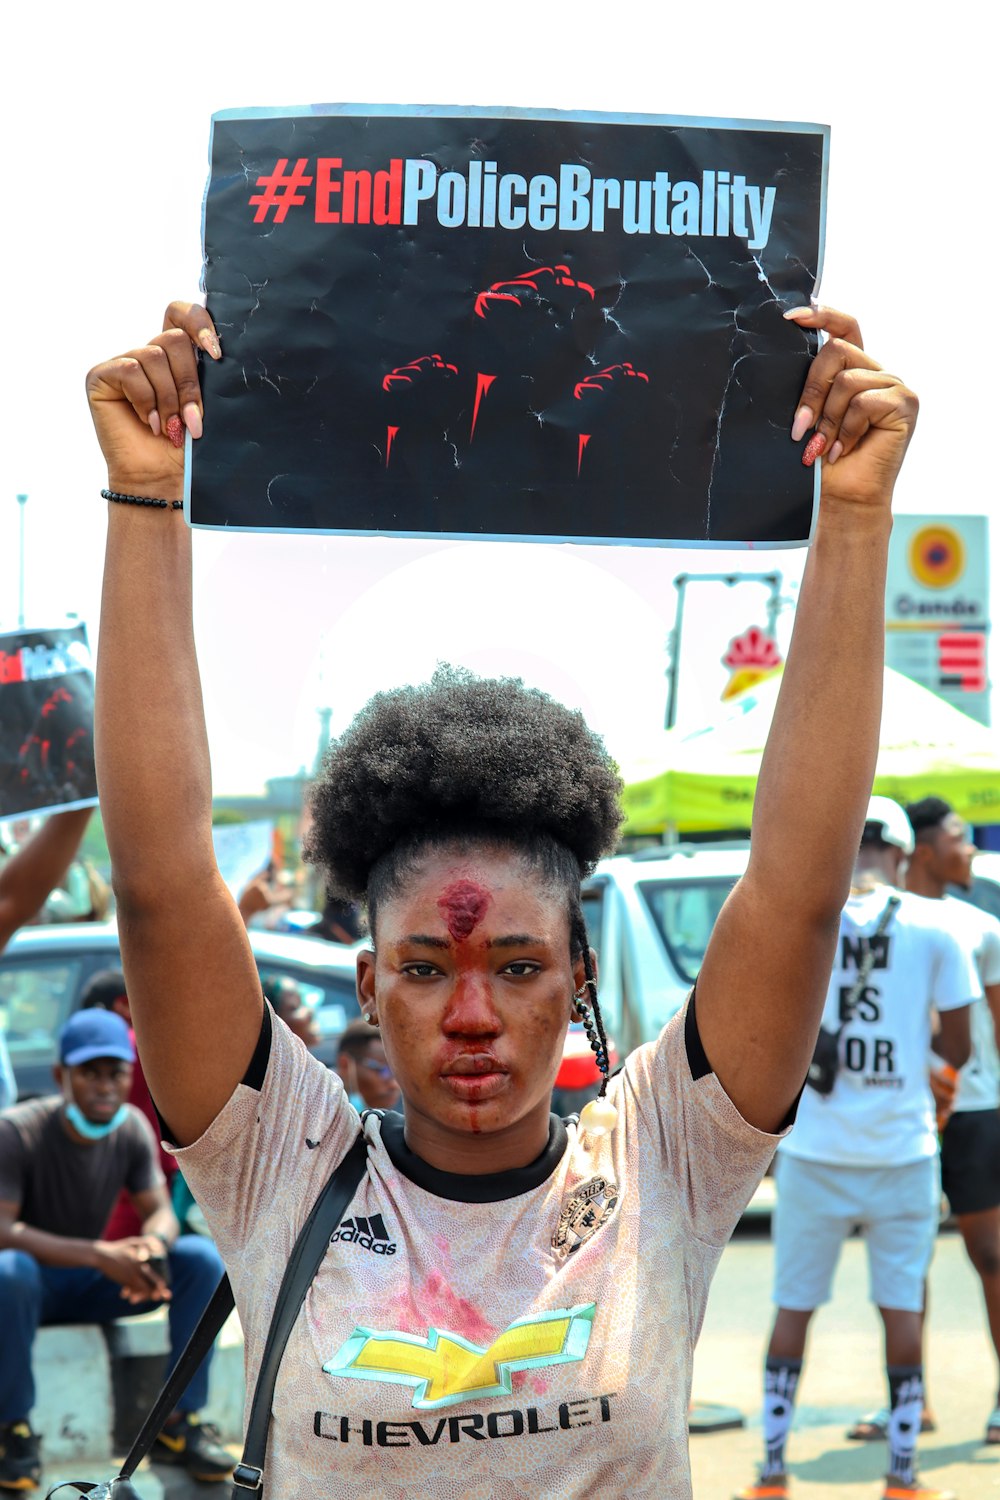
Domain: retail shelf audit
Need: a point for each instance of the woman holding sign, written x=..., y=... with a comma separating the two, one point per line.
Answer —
x=518, y=1314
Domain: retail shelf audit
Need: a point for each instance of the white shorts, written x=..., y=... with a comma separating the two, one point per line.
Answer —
x=818, y=1206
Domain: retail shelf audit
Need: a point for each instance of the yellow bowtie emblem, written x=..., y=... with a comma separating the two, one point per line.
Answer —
x=445, y=1368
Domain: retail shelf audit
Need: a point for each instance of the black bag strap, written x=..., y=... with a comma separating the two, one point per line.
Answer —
x=306, y=1259
x=867, y=962
x=303, y=1263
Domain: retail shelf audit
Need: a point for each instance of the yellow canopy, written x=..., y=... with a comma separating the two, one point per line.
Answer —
x=704, y=780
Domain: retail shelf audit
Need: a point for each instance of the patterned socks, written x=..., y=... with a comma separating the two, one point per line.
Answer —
x=906, y=1404
x=781, y=1376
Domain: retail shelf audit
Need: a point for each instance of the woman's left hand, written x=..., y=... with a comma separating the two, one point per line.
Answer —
x=861, y=417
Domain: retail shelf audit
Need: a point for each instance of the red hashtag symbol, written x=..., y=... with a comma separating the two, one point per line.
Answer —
x=281, y=190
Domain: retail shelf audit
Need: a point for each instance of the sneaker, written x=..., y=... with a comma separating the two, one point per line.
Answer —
x=895, y=1489
x=774, y=1488
x=20, y=1461
x=196, y=1446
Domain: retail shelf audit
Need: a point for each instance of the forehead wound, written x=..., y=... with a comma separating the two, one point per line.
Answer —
x=463, y=906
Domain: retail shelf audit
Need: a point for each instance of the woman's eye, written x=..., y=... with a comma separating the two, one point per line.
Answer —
x=420, y=971
x=522, y=967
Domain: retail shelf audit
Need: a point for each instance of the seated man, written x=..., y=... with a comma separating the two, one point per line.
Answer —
x=63, y=1161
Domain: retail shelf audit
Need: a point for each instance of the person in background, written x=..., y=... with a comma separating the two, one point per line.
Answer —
x=970, y=1143
x=864, y=1153
x=25, y=881
x=286, y=1002
x=266, y=900
x=362, y=1064
x=106, y=991
x=63, y=1162
x=341, y=922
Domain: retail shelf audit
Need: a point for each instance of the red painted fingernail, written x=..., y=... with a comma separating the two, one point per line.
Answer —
x=815, y=448
x=175, y=432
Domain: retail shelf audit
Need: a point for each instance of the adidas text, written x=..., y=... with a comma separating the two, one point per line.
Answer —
x=370, y=1234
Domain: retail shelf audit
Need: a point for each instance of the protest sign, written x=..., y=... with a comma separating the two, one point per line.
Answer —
x=46, y=721
x=498, y=323
x=242, y=850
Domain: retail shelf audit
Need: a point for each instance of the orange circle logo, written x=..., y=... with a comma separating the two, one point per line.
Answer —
x=936, y=556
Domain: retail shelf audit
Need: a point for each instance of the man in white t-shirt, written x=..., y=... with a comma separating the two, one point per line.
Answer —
x=865, y=1153
x=970, y=1145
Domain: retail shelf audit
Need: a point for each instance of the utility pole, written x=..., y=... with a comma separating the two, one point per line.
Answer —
x=772, y=582
x=325, y=715
x=22, y=501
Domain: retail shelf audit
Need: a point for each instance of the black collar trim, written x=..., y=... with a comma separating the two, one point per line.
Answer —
x=490, y=1187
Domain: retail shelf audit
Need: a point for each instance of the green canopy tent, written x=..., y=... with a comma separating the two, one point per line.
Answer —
x=704, y=780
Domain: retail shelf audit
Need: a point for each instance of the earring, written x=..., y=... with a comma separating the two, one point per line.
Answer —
x=371, y=1018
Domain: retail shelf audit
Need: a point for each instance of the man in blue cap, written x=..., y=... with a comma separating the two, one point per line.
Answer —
x=63, y=1162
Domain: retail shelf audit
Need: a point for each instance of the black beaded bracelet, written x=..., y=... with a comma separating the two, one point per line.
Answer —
x=142, y=500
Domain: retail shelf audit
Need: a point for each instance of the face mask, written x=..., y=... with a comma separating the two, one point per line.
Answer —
x=88, y=1129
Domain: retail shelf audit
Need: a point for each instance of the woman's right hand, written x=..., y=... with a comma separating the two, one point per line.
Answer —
x=142, y=401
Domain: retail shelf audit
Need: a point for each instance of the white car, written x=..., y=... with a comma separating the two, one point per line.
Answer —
x=650, y=915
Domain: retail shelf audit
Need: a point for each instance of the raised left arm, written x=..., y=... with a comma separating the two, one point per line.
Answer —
x=764, y=979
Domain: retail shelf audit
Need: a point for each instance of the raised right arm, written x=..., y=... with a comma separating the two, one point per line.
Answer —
x=37, y=868
x=192, y=983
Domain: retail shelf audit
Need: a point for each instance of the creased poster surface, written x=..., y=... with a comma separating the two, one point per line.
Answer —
x=46, y=721
x=499, y=324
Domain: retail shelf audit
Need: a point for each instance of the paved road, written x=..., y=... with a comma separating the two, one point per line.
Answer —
x=844, y=1376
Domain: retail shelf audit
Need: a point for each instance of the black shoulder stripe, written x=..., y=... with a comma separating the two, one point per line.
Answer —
x=697, y=1060
x=253, y=1077
x=257, y=1067
x=701, y=1067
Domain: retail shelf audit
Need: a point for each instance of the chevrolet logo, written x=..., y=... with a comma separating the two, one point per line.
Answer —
x=445, y=1368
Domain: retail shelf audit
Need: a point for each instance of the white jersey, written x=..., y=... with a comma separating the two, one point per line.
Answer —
x=979, y=1080
x=502, y=1337
x=880, y=1112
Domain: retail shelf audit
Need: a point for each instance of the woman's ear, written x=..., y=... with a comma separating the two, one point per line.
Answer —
x=366, y=982
x=580, y=973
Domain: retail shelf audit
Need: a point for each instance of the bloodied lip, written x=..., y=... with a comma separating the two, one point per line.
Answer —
x=474, y=1076
x=474, y=1088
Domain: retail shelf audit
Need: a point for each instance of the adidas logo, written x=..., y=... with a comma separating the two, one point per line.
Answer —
x=369, y=1233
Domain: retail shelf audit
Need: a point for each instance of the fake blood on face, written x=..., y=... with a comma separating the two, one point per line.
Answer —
x=463, y=906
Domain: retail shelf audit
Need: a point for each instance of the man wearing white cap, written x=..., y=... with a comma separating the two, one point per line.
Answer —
x=864, y=1151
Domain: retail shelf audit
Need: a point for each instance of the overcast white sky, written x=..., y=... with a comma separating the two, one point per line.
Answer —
x=106, y=116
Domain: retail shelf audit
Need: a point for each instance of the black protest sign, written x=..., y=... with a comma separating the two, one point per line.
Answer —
x=46, y=721
x=474, y=324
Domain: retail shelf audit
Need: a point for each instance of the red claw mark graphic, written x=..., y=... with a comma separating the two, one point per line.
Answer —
x=418, y=374
x=417, y=369
x=483, y=384
x=602, y=380
x=529, y=287
x=607, y=384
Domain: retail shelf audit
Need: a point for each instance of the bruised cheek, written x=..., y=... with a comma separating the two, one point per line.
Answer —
x=463, y=905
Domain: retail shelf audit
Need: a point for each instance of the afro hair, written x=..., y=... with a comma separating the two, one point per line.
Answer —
x=460, y=756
